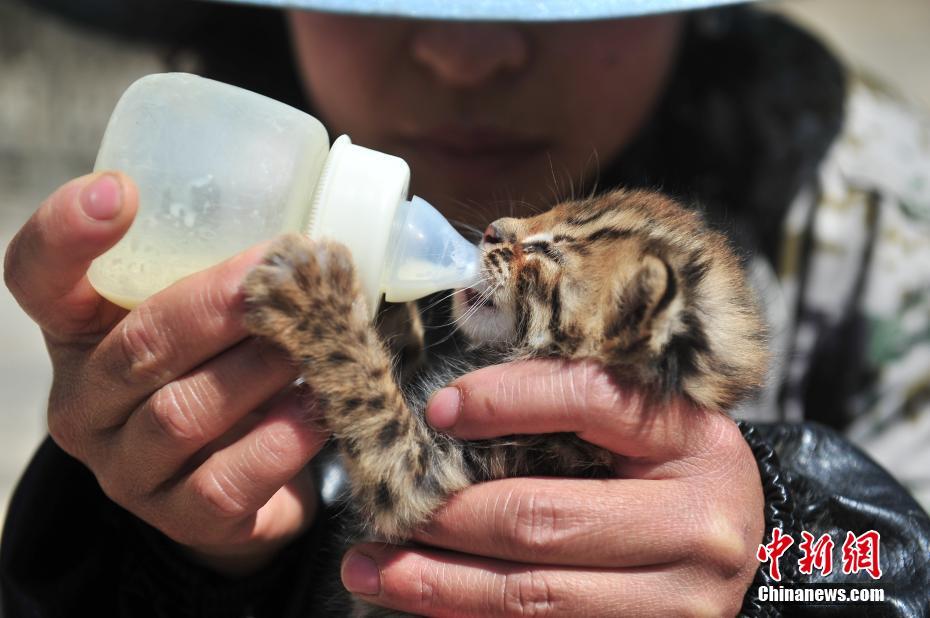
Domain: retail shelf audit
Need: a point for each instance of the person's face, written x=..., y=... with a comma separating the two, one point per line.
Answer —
x=487, y=113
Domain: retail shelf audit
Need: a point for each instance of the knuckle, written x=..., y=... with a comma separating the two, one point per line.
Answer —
x=492, y=402
x=274, y=447
x=732, y=436
x=110, y=487
x=116, y=486
x=530, y=520
x=266, y=356
x=181, y=534
x=200, y=532
x=718, y=545
x=527, y=593
x=220, y=496
x=61, y=428
x=174, y=413
x=426, y=589
x=593, y=389
x=214, y=302
x=65, y=420
x=143, y=348
x=182, y=530
x=725, y=445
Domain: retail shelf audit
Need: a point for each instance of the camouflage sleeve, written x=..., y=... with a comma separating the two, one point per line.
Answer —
x=855, y=274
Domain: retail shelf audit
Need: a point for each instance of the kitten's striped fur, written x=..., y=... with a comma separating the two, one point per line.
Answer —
x=630, y=279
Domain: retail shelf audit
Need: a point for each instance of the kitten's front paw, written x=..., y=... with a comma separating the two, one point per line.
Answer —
x=303, y=285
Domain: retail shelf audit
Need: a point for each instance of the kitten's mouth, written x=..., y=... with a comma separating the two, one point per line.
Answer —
x=475, y=299
x=478, y=318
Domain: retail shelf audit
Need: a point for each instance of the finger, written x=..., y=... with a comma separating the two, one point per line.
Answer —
x=550, y=396
x=163, y=338
x=47, y=260
x=191, y=412
x=584, y=522
x=255, y=542
x=434, y=583
x=234, y=483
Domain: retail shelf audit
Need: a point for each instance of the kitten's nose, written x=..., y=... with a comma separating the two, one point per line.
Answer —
x=491, y=235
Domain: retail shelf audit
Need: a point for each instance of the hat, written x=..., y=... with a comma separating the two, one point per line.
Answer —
x=496, y=10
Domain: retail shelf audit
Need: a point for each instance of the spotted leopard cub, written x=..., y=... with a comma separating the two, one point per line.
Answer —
x=629, y=279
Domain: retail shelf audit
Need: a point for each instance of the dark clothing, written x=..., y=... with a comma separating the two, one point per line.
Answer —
x=69, y=551
x=750, y=114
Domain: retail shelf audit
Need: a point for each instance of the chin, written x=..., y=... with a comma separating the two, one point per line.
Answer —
x=482, y=322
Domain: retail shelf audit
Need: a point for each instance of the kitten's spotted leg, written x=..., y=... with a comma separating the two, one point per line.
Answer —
x=305, y=297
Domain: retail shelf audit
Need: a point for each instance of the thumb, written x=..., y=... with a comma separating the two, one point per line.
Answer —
x=47, y=261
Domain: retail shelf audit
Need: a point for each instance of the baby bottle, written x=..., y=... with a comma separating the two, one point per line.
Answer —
x=220, y=169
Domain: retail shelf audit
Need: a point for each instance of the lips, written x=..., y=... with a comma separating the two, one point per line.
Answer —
x=476, y=149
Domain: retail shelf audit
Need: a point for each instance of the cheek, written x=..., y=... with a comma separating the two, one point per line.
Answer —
x=616, y=72
x=345, y=65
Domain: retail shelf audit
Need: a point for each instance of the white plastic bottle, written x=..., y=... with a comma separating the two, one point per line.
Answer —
x=220, y=169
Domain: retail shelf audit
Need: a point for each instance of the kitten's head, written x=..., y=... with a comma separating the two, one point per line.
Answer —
x=573, y=275
x=628, y=278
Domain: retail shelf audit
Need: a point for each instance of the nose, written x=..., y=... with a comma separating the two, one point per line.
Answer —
x=492, y=235
x=467, y=54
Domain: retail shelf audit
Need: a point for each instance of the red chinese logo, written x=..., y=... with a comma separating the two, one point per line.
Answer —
x=774, y=550
x=817, y=554
x=860, y=553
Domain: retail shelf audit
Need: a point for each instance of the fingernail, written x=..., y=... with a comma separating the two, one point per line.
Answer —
x=444, y=407
x=102, y=199
x=360, y=574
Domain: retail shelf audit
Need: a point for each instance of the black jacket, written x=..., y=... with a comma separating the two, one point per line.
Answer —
x=67, y=550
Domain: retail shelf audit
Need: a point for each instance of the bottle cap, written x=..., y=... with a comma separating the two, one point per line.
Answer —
x=402, y=249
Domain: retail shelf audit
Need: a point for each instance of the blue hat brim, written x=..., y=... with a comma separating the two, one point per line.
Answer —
x=496, y=10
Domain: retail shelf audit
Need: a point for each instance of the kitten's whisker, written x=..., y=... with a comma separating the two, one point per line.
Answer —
x=465, y=316
x=482, y=211
x=476, y=306
x=597, y=172
x=461, y=225
x=444, y=298
x=438, y=301
x=555, y=188
x=529, y=206
x=473, y=308
x=441, y=341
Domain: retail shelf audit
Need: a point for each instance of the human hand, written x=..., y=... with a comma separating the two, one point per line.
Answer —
x=176, y=411
x=674, y=535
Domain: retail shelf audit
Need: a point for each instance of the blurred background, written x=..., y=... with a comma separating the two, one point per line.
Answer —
x=59, y=82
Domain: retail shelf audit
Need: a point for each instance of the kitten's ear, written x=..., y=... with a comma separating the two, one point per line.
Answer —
x=637, y=303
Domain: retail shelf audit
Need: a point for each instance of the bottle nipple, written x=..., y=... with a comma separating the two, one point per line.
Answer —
x=427, y=254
